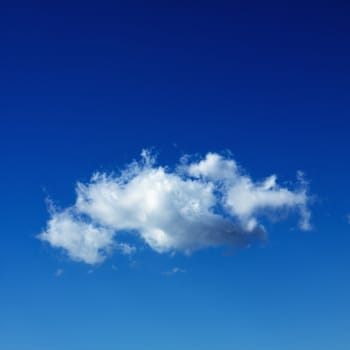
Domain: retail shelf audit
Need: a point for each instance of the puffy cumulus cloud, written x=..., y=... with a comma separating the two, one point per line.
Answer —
x=200, y=204
x=82, y=240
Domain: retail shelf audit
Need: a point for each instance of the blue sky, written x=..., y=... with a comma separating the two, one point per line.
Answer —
x=88, y=86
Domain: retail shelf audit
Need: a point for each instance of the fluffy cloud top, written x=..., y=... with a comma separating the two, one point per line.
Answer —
x=200, y=204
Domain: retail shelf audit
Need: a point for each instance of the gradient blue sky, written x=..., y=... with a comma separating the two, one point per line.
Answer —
x=86, y=86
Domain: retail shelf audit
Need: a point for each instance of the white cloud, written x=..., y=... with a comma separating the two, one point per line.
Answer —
x=125, y=248
x=198, y=205
x=213, y=167
x=83, y=241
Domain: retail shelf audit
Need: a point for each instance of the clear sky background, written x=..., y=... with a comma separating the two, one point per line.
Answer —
x=85, y=86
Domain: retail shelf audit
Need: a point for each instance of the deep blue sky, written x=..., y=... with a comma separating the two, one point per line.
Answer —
x=85, y=86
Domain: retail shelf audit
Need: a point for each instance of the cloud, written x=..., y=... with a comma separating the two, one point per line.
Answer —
x=125, y=248
x=83, y=241
x=202, y=203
